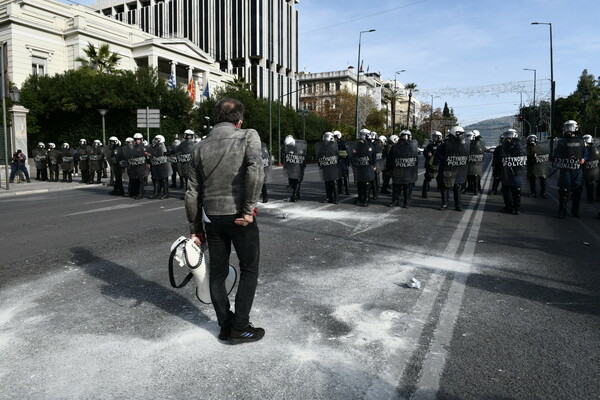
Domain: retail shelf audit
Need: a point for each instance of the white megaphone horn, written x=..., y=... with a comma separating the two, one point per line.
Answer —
x=187, y=254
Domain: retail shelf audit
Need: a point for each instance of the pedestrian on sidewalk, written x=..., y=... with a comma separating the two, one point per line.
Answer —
x=225, y=180
x=19, y=163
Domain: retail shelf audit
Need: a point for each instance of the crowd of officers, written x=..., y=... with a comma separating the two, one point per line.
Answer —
x=137, y=159
x=378, y=164
x=455, y=163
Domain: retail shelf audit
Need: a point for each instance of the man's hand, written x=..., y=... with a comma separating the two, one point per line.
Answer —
x=245, y=220
x=198, y=238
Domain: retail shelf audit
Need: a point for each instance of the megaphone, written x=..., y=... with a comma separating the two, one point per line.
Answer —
x=187, y=254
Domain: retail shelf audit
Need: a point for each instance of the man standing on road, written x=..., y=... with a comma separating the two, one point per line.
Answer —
x=225, y=180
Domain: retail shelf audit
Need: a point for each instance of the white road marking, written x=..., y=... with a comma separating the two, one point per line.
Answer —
x=104, y=201
x=174, y=209
x=117, y=207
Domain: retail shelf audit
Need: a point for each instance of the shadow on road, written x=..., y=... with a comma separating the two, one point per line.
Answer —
x=123, y=283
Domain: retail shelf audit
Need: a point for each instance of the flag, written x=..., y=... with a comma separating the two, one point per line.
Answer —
x=361, y=66
x=367, y=69
x=191, y=90
x=206, y=91
x=171, y=84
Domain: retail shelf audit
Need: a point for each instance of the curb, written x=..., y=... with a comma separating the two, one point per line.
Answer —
x=9, y=193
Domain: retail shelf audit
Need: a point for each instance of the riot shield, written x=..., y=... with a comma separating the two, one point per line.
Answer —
x=542, y=157
x=266, y=161
x=184, y=156
x=475, y=162
x=295, y=160
x=513, y=158
x=109, y=155
x=379, y=159
x=39, y=156
x=84, y=162
x=66, y=163
x=455, y=164
x=591, y=170
x=405, y=157
x=362, y=161
x=327, y=157
x=567, y=153
x=159, y=162
x=96, y=157
x=136, y=160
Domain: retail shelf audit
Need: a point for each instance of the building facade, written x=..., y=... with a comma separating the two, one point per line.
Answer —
x=47, y=37
x=254, y=39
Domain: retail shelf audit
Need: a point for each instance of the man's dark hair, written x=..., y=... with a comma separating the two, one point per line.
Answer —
x=228, y=110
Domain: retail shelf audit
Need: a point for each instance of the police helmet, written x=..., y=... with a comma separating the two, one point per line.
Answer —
x=457, y=131
x=65, y=145
x=394, y=139
x=337, y=134
x=364, y=134
x=137, y=136
x=176, y=143
x=476, y=133
x=588, y=139
x=289, y=140
x=510, y=134
x=328, y=137
x=373, y=135
x=159, y=139
x=145, y=142
x=436, y=135
x=51, y=145
x=405, y=134
x=113, y=139
x=128, y=140
x=82, y=141
x=41, y=145
x=531, y=139
x=570, y=127
x=190, y=133
x=97, y=143
x=469, y=135
x=382, y=138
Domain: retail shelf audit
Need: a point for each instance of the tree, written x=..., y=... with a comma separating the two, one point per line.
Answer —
x=410, y=87
x=101, y=60
x=239, y=83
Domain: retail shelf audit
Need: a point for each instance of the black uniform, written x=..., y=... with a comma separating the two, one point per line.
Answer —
x=41, y=163
x=431, y=168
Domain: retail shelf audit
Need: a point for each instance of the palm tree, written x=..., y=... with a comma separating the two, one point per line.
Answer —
x=239, y=83
x=101, y=60
x=411, y=87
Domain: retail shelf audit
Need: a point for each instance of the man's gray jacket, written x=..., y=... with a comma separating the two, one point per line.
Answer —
x=225, y=176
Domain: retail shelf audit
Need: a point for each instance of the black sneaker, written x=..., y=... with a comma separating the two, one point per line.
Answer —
x=249, y=334
x=224, y=333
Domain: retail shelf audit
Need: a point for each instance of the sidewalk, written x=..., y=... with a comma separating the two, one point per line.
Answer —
x=24, y=188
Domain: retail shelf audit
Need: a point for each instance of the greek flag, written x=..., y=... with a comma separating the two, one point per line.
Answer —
x=171, y=84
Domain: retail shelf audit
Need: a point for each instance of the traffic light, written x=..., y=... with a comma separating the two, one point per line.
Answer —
x=520, y=117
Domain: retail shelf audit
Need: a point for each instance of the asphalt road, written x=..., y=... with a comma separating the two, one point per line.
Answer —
x=508, y=306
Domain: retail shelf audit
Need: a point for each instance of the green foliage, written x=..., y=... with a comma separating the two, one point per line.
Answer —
x=64, y=107
x=101, y=60
x=256, y=117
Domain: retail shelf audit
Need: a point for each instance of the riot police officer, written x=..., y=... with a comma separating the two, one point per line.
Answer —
x=569, y=154
x=41, y=165
x=117, y=162
x=84, y=163
x=538, y=155
x=591, y=171
x=327, y=157
x=362, y=159
x=512, y=160
x=431, y=168
x=402, y=161
x=174, y=164
x=136, y=162
x=66, y=162
x=294, y=165
x=53, y=161
x=496, y=169
x=379, y=162
x=387, y=173
x=96, y=161
x=160, y=166
x=343, y=164
x=475, y=163
x=184, y=156
x=452, y=157
x=265, y=156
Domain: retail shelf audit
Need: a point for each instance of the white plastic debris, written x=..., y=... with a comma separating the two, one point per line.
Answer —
x=284, y=216
x=586, y=243
x=414, y=284
x=480, y=241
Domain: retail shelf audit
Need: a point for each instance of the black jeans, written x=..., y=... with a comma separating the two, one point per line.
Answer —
x=221, y=232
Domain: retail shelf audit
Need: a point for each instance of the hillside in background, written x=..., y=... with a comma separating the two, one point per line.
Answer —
x=491, y=129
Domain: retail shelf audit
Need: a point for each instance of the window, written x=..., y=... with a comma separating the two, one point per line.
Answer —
x=38, y=66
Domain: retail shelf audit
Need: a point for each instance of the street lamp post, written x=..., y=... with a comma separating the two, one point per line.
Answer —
x=103, y=112
x=534, y=87
x=358, y=77
x=3, y=94
x=552, y=84
x=395, y=93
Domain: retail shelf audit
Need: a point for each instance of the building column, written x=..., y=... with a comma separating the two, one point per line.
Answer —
x=152, y=61
x=19, y=128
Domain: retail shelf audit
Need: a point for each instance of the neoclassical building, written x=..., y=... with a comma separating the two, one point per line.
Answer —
x=47, y=37
x=254, y=39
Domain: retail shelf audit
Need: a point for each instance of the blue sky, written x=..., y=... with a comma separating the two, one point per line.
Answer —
x=457, y=45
